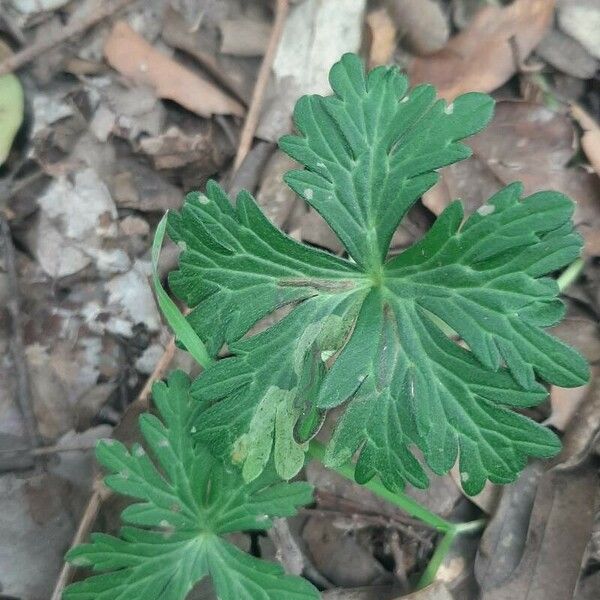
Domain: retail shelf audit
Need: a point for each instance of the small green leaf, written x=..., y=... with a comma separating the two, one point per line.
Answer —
x=11, y=112
x=184, y=332
x=187, y=501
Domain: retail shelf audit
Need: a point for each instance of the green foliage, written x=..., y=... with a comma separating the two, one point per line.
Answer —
x=372, y=331
x=187, y=502
x=11, y=112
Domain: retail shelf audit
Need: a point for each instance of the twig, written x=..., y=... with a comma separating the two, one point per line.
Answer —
x=101, y=492
x=398, y=554
x=25, y=56
x=258, y=94
x=246, y=177
x=341, y=504
x=587, y=122
x=13, y=28
x=358, y=520
x=291, y=555
x=17, y=345
x=87, y=521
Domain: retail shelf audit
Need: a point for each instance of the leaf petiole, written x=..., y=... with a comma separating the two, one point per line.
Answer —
x=450, y=530
x=175, y=318
x=316, y=451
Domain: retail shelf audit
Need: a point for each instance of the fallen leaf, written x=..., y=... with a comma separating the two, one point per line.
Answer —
x=376, y=592
x=135, y=185
x=134, y=57
x=565, y=403
x=581, y=20
x=463, y=12
x=482, y=57
x=529, y=143
x=37, y=526
x=132, y=295
x=422, y=25
x=340, y=557
x=30, y=7
x=559, y=530
x=125, y=111
x=177, y=148
x=590, y=141
x=382, y=42
x=306, y=51
x=244, y=37
x=274, y=196
x=560, y=522
x=236, y=75
x=567, y=55
x=503, y=541
x=435, y=591
x=75, y=223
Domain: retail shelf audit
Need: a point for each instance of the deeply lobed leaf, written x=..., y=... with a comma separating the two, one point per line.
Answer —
x=187, y=500
x=372, y=148
x=380, y=335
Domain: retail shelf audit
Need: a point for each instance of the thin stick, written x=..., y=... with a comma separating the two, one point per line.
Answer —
x=101, y=492
x=570, y=274
x=71, y=29
x=87, y=522
x=159, y=370
x=17, y=345
x=258, y=94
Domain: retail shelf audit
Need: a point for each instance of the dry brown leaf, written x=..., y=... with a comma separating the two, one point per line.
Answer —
x=340, y=557
x=134, y=57
x=565, y=403
x=487, y=500
x=436, y=591
x=275, y=198
x=482, y=57
x=590, y=141
x=175, y=148
x=529, y=143
x=244, y=37
x=422, y=24
x=567, y=55
x=560, y=523
x=375, y=592
x=382, y=37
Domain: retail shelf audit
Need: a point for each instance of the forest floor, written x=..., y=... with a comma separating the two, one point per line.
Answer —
x=131, y=104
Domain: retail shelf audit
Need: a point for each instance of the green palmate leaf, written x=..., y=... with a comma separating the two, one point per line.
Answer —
x=187, y=501
x=369, y=331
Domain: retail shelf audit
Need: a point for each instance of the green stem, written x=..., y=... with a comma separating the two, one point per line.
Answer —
x=438, y=557
x=316, y=451
x=444, y=547
x=181, y=328
x=570, y=274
